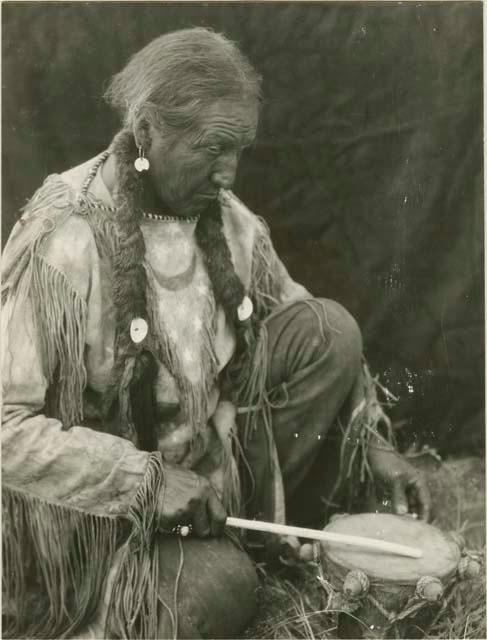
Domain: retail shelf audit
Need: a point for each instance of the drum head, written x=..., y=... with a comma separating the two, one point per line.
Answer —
x=440, y=553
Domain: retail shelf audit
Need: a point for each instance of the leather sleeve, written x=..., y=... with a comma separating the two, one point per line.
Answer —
x=78, y=467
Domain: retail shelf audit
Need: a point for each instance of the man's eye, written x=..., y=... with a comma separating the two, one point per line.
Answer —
x=215, y=149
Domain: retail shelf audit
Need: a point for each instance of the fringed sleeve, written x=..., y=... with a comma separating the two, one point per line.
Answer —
x=70, y=497
x=270, y=282
x=366, y=424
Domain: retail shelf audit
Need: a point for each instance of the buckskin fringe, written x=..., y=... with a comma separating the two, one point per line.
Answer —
x=102, y=222
x=252, y=397
x=133, y=604
x=367, y=417
x=224, y=420
x=264, y=284
x=61, y=316
x=59, y=312
x=254, y=403
x=55, y=560
x=232, y=493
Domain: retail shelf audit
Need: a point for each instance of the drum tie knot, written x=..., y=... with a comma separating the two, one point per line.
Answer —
x=356, y=584
x=468, y=568
x=429, y=588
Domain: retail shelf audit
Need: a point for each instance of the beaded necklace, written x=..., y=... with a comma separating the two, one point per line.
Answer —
x=155, y=216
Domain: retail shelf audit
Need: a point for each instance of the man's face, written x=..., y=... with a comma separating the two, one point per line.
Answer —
x=188, y=168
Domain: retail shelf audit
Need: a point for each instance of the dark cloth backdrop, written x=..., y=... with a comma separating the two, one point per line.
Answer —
x=368, y=165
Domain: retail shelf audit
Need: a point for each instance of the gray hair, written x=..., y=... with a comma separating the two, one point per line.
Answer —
x=170, y=79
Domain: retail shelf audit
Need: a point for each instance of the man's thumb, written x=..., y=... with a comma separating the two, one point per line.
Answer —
x=399, y=498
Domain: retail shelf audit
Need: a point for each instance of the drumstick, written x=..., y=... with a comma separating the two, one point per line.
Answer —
x=327, y=536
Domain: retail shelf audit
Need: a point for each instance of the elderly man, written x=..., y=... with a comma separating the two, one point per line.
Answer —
x=162, y=369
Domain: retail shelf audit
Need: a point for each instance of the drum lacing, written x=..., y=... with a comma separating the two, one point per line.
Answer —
x=339, y=602
x=468, y=567
x=412, y=606
x=417, y=601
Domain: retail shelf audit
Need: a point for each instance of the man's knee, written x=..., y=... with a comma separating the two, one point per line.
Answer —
x=344, y=333
x=217, y=590
x=329, y=330
x=309, y=334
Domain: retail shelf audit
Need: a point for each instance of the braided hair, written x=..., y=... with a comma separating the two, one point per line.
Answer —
x=136, y=366
x=228, y=291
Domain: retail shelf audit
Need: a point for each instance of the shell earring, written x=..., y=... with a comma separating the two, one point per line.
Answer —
x=141, y=163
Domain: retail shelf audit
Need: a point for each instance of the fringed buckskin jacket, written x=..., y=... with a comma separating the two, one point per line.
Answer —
x=67, y=481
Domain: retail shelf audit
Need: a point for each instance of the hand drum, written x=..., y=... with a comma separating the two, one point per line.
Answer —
x=379, y=593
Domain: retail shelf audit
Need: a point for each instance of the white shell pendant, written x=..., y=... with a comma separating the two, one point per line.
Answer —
x=138, y=330
x=245, y=309
x=141, y=164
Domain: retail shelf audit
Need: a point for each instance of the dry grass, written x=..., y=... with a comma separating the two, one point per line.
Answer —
x=291, y=605
x=466, y=615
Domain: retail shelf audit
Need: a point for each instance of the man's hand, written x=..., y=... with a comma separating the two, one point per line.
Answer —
x=398, y=478
x=188, y=499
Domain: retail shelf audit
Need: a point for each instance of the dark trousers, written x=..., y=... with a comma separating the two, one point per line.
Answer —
x=314, y=362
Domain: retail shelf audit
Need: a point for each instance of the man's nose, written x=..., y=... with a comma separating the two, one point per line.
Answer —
x=225, y=171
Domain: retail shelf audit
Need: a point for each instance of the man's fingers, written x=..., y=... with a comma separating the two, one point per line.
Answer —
x=399, y=498
x=201, y=523
x=423, y=498
x=218, y=515
x=209, y=517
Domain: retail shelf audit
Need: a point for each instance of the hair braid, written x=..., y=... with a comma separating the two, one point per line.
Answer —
x=135, y=368
x=227, y=288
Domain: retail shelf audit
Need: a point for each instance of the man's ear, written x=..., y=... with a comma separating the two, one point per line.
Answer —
x=143, y=133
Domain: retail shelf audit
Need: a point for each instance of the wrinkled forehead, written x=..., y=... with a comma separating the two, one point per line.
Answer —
x=239, y=115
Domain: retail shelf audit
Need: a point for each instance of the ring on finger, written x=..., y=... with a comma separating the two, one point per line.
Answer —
x=183, y=530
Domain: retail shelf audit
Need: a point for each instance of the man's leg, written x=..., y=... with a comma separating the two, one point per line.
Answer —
x=315, y=357
x=314, y=360
x=217, y=587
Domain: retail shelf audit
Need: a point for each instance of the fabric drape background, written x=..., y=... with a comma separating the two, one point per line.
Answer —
x=368, y=164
